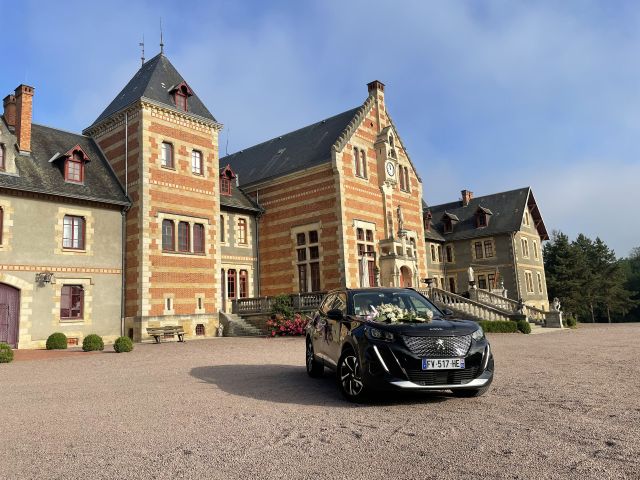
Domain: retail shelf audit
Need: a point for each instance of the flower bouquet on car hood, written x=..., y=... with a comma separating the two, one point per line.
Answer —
x=388, y=313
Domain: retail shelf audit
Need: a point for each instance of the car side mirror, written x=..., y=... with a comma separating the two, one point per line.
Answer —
x=447, y=312
x=335, y=314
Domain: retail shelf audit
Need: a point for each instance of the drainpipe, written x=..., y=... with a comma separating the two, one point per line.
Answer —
x=257, y=217
x=124, y=222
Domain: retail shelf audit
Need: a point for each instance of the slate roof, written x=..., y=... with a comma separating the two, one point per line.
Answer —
x=239, y=200
x=507, y=208
x=37, y=174
x=298, y=150
x=154, y=81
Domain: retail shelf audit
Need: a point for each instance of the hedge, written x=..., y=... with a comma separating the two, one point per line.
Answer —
x=499, y=326
x=6, y=353
x=57, y=341
x=92, y=343
x=123, y=344
x=524, y=326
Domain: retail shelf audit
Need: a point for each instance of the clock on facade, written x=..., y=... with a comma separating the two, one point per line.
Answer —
x=391, y=169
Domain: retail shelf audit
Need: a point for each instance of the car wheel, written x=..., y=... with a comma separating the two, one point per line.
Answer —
x=349, y=377
x=468, y=393
x=315, y=368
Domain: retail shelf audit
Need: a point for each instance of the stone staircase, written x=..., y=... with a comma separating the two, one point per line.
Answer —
x=235, y=326
x=463, y=307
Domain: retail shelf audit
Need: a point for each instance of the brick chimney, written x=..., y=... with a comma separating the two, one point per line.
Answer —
x=376, y=90
x=24, y=111
x=467, y=195
x=9, y=104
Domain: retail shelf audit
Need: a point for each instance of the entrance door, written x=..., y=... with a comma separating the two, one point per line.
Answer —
x=9, y=311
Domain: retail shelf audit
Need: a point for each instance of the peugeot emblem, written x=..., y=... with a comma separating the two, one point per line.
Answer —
x=440, y=344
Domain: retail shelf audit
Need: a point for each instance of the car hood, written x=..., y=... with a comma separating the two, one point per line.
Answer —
x=438, y=327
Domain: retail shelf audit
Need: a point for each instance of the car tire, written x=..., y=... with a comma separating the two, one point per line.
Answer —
x=349, y=377
x=315, y=368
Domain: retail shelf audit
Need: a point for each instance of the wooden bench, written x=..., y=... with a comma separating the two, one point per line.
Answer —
x=159, y=333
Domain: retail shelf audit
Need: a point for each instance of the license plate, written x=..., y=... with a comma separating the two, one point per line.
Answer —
x=442, y=363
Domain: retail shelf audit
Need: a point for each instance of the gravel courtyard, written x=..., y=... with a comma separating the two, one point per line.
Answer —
x=563, y=405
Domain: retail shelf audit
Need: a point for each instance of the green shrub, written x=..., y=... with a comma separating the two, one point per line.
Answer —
x=282, y=306
x=499, y=326
x=6, y=354
x=123, y=344
x=92, y=343
x=57, y=341
x=523, y=326
x=570, y=321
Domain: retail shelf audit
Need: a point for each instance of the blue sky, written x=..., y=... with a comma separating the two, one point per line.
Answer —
x=487, y=96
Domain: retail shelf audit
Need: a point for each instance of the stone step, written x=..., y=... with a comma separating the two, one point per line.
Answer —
x=235, y=326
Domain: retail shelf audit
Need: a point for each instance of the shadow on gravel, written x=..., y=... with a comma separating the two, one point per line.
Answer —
x=291, y=384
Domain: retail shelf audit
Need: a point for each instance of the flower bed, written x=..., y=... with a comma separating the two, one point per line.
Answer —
x=287, y=327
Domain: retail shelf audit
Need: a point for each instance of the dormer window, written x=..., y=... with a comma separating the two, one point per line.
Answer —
x=482, y=217
x=448, y=221
x=226, y=176
x=74, y=162
x=181, y=93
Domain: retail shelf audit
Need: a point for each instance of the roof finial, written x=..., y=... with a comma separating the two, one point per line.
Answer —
x=142, y=45
x=161, y=43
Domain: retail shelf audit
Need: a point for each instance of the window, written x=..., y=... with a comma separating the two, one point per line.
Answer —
x=168, y=236
x=535, y=249
x=449, y=253
x=481, y=220
x=529, y=281
x=439, y=253
x=2, y=165
x=491, y=278
x=242, y=231
x=539, y=277
x=448, y=225
x=478, y=250
x=196, y=162
x=363, y=159
x=180, y=97
x=308, y=259
x=1, y=223
x=356, y=159
x=366, y=249
x=231, y=283
x=452, y=284
x=404, y=178
x=482, y=282
x=166, y=152
x=488, y=249
x=433, y=254
x=525, y=247
x=401, y=173
x=184, y=244
x=74, y=169
x=198, y=238
x=225, y=186
x=243, y=284
x=222, y=230
x=73, y=232
x=526, y=218
x=200, y=327
x=71, y=302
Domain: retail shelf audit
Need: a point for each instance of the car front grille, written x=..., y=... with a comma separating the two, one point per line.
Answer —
x=443, y=377
x=438, y=347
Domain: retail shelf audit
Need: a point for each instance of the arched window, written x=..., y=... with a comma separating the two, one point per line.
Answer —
x=242, y=231
x=168, y=236
x=184, y=243
x=243, y=284
x=231, y=283
x=198, y=238
x=356, y=159
x=2, y=165
x=363, y=159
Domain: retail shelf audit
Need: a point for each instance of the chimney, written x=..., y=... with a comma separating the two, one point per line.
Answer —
x=467, y=195
x=24, y=111
x=9, y=104
x=376, y=88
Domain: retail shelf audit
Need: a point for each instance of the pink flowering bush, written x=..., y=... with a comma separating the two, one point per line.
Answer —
x=281, y=326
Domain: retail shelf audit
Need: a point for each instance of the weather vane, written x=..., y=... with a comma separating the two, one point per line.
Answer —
x=142, y=45
x=161, y=43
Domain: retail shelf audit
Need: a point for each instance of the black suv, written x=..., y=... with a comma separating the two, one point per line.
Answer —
x=395, y=338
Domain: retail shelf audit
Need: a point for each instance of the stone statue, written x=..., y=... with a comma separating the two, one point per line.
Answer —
x=556, y=304
x=470, y=274
x=400, y=218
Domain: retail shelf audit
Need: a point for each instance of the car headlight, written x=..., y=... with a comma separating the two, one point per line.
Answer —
x=380, y=335
x=478, y=334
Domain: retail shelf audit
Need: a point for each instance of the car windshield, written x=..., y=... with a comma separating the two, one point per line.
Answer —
x=366, y=304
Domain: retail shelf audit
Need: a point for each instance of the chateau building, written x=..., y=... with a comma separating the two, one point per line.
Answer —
x=138, y=223
x=499, y=236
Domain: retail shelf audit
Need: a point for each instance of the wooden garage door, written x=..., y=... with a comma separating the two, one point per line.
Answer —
x=9, y=311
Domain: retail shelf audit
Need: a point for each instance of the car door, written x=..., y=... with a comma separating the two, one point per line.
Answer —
x=321, y=327
x=337, y=328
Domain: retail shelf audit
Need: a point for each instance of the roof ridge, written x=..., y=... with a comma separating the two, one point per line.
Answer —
x=440, y=205
x=289, y=133
x=60, y=130
x=353, y=124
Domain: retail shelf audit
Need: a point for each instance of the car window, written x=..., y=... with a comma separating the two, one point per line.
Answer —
x=340, y=303
x=367, y=303
x=326, y=305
